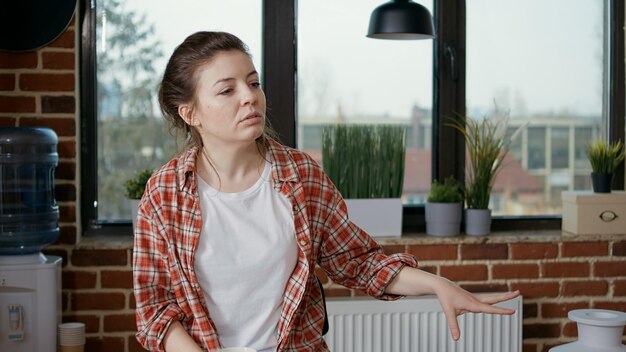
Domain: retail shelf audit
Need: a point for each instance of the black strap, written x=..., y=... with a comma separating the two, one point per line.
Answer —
x=326, y=327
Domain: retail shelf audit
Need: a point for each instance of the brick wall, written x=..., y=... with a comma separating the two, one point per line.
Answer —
x=555, y=274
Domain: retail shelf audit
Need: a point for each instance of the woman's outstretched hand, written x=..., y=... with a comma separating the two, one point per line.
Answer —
x=454, y=300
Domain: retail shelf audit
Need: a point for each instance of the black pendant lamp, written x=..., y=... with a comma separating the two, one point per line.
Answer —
x=401, y=19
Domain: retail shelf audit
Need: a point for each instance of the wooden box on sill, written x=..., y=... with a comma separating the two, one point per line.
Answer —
x=588, y=213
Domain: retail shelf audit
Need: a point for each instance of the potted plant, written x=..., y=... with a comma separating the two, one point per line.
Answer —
x=487, y=146
x=443, y=208
x=135, y=187
x=366, y=164
x=604, y=158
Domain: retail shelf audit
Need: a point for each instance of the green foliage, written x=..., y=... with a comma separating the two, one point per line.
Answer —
x=450, y=191
x=365, y=161
x=487, y=147
x=605, y=157
x=136, y=185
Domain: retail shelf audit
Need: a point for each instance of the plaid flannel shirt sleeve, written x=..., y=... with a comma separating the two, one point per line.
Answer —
x=349, y=255
x=156, y=306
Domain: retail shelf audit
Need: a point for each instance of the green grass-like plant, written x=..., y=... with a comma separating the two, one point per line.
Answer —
x=450, y=191
x=605, y=157
x=487, y=147
x=365, y=161
x=136, y=185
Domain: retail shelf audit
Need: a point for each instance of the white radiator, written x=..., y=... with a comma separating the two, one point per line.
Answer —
x=418, y=325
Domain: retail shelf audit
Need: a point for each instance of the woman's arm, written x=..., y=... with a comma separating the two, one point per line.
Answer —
x=177, y=339
x=453, y=299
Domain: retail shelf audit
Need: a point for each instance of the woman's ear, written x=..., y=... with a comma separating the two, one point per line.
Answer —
x=186, y=112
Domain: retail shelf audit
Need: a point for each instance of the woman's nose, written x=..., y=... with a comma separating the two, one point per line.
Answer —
x=249, y=96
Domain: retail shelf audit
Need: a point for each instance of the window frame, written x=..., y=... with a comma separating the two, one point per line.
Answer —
x=280, y=85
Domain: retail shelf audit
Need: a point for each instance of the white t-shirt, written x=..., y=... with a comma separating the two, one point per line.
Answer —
x=246, y=253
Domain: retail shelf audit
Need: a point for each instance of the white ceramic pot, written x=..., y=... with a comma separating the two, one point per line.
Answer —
x=443, y=219
x=599, y=330
x=477, y=222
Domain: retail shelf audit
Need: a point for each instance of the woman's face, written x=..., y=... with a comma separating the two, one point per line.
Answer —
x=230, y=104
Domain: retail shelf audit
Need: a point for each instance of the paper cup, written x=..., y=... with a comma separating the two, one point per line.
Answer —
x=72, y=337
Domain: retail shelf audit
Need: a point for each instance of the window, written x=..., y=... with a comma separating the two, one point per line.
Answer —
x=368, y=81
x=133, y=40
x=560, y=86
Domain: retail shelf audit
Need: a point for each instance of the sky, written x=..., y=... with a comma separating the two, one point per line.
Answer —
x=532, y=56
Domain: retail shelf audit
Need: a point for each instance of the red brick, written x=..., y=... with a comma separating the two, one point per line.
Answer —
x=104, y=344
x=541, y=330
x=536, y=289
x=570, y=329
x=99, y=257
x=61, y=126
x=17, y=104
x=98, y=301
x=560, y=310
x=133, y=344
x=337, y=292
x=484, y=251
x=66, y=149
x=66, y=170
x=65, y=299
x=613, y=305
x=584, y=249
x=429, y=269
x=529, y=347
x=18, y=60
x=477, y=272
x=393, y=249
x=132, y=304
x=619, y=248
x=65, y=104
x=7, y=121
x=7, y=81
x=67, y=234
x=585, y=288
x=65, y=192
x=508, y=271
x=92, y=322
x=116, y=279
x=613, y=268
x=433, y=252
x=65, y=40
x=619, y=288
x=478, y=288
x=533, y=250
x=530, y=310
x=47, y=82
x=119, y=322
x=67, y=213
x=321, y=274
x=78, y=279
x=58, y=60
x=563, y=269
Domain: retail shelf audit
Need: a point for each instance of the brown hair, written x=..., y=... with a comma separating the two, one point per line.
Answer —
x=180, y=80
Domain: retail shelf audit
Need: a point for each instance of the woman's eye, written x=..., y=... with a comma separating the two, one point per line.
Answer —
x=226, y=91
x=255, y=85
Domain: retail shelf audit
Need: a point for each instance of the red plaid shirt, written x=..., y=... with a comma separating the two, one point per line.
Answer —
x=168, y=228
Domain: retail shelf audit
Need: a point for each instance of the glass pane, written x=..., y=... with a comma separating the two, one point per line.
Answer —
x=345, y=77
x=546, y=74
x=134, y=39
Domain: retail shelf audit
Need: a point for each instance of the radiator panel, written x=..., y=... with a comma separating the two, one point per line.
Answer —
x=418, y=324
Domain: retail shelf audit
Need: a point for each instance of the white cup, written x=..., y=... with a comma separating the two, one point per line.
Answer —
x=237, y=349
x=72, y=337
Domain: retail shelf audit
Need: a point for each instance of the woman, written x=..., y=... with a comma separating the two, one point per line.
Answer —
x=229, y=232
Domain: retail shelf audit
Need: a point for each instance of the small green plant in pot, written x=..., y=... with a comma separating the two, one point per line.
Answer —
x=366, y=164
x=487, y=147
x=444, y=208
x=604, y=158
x=135, y=187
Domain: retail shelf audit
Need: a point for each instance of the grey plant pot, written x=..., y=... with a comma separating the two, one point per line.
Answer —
x=477, y=222
x=443, y=219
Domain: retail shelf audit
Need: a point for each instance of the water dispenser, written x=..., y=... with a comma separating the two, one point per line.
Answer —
x=30, y=282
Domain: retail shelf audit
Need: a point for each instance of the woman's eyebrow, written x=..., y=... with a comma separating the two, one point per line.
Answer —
x=226, y=79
